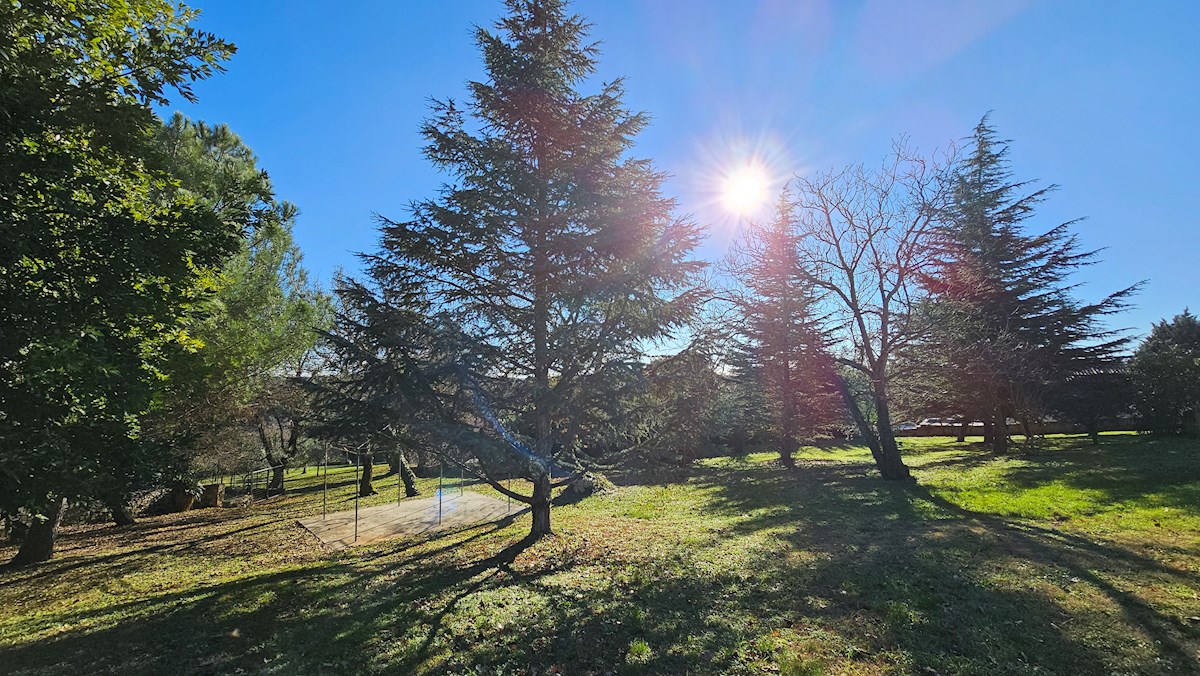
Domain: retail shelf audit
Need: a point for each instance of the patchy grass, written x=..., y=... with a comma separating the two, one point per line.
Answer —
x=1067, y=559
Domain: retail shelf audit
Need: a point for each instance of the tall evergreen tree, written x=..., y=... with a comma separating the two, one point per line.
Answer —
x=391, y=376
x=1011, y=326
x=550, y=246
x=783, y=343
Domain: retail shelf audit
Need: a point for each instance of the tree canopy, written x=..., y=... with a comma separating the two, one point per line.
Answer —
x=102, y=255
x=550, y=247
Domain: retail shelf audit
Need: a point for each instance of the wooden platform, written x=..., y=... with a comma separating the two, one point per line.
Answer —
x=410, y=517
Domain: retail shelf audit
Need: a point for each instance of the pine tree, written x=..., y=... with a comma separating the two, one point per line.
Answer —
x=389, y=378
x=1010, y=326
x=783, y=344
x=550, y=246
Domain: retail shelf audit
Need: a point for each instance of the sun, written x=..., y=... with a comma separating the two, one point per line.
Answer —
x=746, y=190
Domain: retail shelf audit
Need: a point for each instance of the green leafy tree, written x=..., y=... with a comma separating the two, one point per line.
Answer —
x=742, y=415
x=1094, y=398
x=1010, y=326
x=1166, y=376
x=550, y=246
x=257, y=330
x=680, y=399
x=102, y=257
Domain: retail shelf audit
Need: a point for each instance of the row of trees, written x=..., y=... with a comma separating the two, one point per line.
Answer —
x=542, y=315
x=150, y=291
x=508, y=324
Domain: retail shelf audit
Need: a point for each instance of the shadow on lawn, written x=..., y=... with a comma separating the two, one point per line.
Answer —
x=892, y=548
x=322, y=613
x=846, y=568
x=1118, y=468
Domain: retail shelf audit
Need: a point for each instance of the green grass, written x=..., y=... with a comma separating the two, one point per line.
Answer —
x=1067, y=559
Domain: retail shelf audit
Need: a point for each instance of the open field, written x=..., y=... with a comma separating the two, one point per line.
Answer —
x=1065, y=560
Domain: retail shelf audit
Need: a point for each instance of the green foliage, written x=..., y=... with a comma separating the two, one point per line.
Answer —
x=678, y=398
x=258, y=327
x=741, y=415
x=639, y=652
x=783, y=342
x=102, y=257
x=392, y=376
x=1008, y=330
x=551, y=248
x=1166, y=375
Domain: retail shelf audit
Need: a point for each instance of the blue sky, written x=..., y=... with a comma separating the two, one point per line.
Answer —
x=1098, y=97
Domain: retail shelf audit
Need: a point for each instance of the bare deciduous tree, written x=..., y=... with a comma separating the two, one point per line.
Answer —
x=864, y=244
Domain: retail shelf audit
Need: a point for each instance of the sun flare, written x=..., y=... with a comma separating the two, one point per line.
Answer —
x=746, y=190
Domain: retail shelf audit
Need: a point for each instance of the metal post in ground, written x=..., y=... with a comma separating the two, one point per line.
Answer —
x=399, y=477
x=325, y=482
x=441, y=473
x=357, y=490
x=461, y=480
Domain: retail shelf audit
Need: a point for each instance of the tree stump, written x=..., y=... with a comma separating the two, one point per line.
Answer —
x=213, y=495
x=182, y=499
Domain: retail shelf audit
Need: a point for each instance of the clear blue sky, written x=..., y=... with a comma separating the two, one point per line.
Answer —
x=1099, y=97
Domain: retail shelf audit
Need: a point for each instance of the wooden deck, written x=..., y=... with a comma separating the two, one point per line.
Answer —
x=410, y=517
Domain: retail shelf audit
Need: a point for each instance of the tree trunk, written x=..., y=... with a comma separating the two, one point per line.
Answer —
x=989, y=432
x=422, y=463
x=890, y=464
x=539, y=506
x=407, y=476
x=999, y=433
x=787, y=449
x=278, y=472
x=394, y=463
x=962, y=430
x=860, y=421
x=38, y=544
x=365, y=486
x=544, y=429
x=1093, y=430
x=122, y=515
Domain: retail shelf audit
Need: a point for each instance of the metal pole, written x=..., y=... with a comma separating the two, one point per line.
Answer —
x=441, y=473
x=357, y=490
x=399, y=476
x=460, y=479
x=325, y=483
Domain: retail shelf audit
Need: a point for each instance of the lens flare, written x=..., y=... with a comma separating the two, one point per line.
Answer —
x=746, y=190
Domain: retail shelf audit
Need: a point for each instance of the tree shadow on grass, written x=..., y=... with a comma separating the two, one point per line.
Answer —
x=321, y=613
x=1123, y=468
x=137, y=556
x=825, y=561
x=896, y=568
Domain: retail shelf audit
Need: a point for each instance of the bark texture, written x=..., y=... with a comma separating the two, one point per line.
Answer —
x=38, y=544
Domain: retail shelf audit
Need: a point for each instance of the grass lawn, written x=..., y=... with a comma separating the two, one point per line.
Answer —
x=1067, y=560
